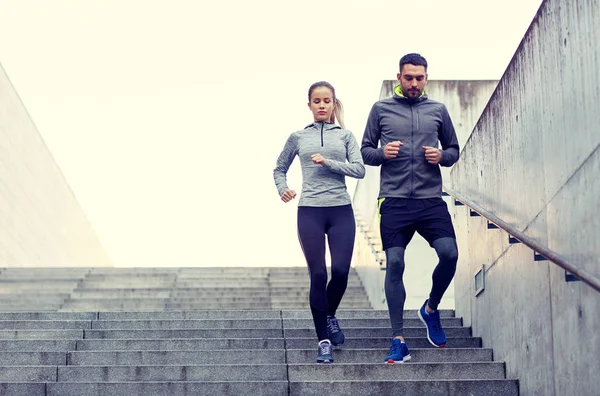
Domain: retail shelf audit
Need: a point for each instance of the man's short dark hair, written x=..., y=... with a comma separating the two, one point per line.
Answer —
x=413, y=59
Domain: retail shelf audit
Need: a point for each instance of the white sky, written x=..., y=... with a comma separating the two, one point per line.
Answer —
x=166, y=117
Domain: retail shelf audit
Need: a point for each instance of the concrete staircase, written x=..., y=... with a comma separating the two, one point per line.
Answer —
x=152, y=333
x=159, y=289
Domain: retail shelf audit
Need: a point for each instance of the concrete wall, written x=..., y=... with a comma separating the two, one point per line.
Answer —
x=41, y=223
x=533, y=160
x=465, y=101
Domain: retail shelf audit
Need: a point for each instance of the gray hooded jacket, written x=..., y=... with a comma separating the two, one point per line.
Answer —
x=416, y=123
x=321, y=185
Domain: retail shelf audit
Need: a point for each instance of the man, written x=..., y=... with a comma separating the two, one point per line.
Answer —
x=409, y=126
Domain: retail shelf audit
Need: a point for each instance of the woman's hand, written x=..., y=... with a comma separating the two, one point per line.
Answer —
x=318, y=159
x=288, y=195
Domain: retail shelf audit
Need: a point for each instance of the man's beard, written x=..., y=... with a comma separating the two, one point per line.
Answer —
x=412, y=95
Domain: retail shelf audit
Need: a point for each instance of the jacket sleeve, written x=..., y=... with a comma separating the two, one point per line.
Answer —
x=371, y=153
x=355, y=166
x=448, y=139
x=284, y=161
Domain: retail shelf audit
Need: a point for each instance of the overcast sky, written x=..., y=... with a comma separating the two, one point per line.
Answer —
x=166, y=117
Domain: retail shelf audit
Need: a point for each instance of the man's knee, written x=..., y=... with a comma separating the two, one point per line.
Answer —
x=446, y=250
x=394, y=257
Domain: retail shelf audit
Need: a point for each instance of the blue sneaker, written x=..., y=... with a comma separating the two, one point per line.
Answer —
x=335, y=333
x=398, y=352
x=324, y=352
x=435, y=333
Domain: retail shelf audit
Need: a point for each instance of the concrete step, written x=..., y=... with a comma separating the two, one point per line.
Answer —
x=407, y=371
x=249, y=323
x=32, y=279
x=38, y=307
x=127, y=358
x=380, y=332
x=37, y=286
x=166, y=388
x=483, y=387
x=188, y=324
x=408, y=322
x=185, y=333
x=298, y=305
x=45, y=324
x=48, y=315
x=22, y=389
x=200, y=314
x=267, y=388
x=37, y=346
x=419, y=355
x=41, y=334
x=257, y=314
x=384, y=342
x=32, y=358
x=187, y=344
x=225, y=300
x=184, y=344
x=359, y=314
x=28, y=373
x=211, y=372
x=207, y=305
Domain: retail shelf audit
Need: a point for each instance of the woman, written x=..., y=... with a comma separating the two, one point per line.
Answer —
x=324, y=206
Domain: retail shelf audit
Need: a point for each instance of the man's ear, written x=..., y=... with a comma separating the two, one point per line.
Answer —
x=399, y=77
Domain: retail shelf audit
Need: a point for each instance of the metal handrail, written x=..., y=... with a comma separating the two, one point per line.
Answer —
x=557, y=259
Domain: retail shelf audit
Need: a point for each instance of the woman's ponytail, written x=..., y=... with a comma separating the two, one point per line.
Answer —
x=338, y=113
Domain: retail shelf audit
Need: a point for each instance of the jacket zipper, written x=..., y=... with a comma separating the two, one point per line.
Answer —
x=322, y=125
x=412, y=150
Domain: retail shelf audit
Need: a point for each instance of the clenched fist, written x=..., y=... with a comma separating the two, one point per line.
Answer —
x=392, y=149
x=288, y=195
x=318, y=159
x=432, y=155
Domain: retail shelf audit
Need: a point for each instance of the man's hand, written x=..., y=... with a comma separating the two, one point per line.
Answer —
x=288, y=195
x=392, y=149
x=432, y=155
x=318, y=159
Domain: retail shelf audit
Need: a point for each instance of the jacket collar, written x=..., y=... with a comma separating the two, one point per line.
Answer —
x=399, y=95
x=326, y=125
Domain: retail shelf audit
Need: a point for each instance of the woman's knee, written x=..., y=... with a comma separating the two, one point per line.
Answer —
x=318, y=277
x=339, y=274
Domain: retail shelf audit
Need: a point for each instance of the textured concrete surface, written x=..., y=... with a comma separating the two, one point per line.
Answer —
x=533, y=160
x=42, y=222
x=188, y=388
x=407, y=388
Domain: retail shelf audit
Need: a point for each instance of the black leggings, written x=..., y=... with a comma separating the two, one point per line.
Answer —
x=338, y=223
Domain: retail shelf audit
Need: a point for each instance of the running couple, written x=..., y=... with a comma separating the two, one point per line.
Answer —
x=402, y=135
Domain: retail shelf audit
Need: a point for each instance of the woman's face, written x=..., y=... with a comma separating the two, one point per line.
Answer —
x=321, y=103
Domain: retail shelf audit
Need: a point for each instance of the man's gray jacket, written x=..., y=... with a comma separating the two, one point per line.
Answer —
x=416, y=123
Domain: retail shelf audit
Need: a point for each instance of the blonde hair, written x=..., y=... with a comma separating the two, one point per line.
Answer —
x=338, y=108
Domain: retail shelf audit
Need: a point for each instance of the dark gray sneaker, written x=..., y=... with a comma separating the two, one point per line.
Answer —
x=324, y=352
x=335, y=333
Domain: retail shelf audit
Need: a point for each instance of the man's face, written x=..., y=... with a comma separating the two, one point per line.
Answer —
x=412, y=79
